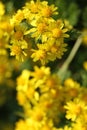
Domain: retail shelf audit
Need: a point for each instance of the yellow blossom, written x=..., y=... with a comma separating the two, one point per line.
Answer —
x=17, y=18
x=48, y=11
x=2, y=9
x=74, y=109
x=39, y=55
x=65, y=128
x=18, y=49
x=80, y=124
x=39, y=30
x=22, y=81
x=21, y=125
x=21, y=98
x=49, y=51
x=72, y=88
x=84, y=39
x=58, y=30
x=85, y=65
x=40, y=73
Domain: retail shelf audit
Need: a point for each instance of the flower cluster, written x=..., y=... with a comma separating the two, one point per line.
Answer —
x=33, y=92
x=45, y=101
x=37, y=34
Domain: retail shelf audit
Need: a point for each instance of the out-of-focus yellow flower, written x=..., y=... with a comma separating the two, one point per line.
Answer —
x=68, y=25
x=72, y=88
x=21, y=125
x=34, y=89
x=2, y=9
x=40, y=73
x=65, y=128
x=74, y=109
x=17, y=18
x=80, y=124
x=22, y=81
x=48, y=11
x=84, y=40
x=21, y=98
x=5, y=68
x=85, y=65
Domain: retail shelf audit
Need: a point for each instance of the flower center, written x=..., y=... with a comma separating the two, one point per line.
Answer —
x=57, y=33
x=41, y=27
x=46, y=12
x=16, y=50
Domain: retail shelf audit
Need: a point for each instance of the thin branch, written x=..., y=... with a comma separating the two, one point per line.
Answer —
x=72, y=54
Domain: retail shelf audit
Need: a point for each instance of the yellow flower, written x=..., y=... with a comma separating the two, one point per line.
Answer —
x=71, y=88
x=18, y=49
x=2, y=9
x=39, y=55
x=80, y=124
x=33, y=7
x=49, y=51
x=58, y=30
x=22, y=81
x=65, y=128
x=85, y=65
x=84, y=40
x=48, y=11
x=41, y=72
x=21, y=98
x=54, y=49
x=39, y=30
x=21, y=125
x=74, y=109
x=68, y=25
x=17, y=18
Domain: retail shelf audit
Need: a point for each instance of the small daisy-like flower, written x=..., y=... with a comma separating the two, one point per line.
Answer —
x=18, y=49
x=39, y=30
x=40, y=72
x=74, y=109
x=17, y=18
x=33, y=6
x=48, y=10
x=58, y=30
x=39, y=55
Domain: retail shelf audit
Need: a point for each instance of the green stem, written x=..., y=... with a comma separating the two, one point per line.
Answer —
x=67, y=62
